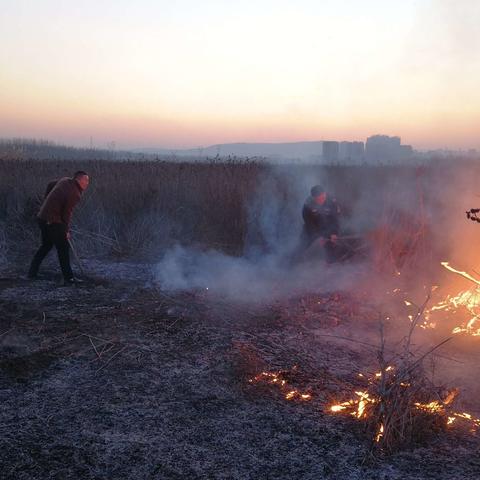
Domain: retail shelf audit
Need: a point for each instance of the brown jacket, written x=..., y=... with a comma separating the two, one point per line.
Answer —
x=60, y=201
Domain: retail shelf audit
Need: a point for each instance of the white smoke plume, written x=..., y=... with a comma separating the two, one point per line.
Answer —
x=267, y=270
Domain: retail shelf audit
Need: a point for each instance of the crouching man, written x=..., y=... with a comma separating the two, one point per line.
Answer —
x=54, y=221
x=321, y=226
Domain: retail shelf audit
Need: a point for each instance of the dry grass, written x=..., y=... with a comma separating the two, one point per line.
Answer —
x=134, y=206
x=3, y=245
x=142, y=207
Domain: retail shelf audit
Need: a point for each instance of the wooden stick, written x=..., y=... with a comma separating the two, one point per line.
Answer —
x=76, y=257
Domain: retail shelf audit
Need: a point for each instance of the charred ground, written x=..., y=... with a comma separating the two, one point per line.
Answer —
x=119, y=380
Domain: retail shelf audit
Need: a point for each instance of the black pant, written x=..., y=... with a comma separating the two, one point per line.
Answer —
x=54, y=234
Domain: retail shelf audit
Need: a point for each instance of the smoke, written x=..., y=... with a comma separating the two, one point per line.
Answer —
x=247, y=279
x=430, y=202
x=268, y=269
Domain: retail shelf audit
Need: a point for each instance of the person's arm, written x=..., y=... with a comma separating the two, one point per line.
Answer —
x=333, y=221
x=69, y=204
x=309, y=216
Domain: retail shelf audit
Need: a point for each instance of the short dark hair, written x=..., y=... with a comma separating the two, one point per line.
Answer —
x=80, y=173
x=317, y=190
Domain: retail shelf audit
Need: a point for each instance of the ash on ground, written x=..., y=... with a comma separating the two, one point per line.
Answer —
x=117, y=379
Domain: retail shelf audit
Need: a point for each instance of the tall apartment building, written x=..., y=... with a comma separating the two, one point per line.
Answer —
x=385, y=149
x=352, y=152
x=330, y=152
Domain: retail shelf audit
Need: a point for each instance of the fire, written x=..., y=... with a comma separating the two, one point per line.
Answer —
x=356, y=407
x=467, y=301
x=380, y=433
x=276, y=378
x=467, y=418
x=365, y=407
x=463, y=274
x=432, y=407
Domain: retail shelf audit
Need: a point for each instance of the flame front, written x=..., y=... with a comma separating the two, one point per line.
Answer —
x=463, y=274
x=276, y=378
x=467, y=301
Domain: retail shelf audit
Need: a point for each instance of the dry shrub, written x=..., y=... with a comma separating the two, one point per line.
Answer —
x=407, y=407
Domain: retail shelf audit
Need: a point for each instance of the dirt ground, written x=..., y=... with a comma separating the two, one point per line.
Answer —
x=116, y=379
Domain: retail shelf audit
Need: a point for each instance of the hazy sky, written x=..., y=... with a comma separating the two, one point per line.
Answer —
x=198, y=72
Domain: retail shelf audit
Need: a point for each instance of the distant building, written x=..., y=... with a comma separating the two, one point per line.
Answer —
x=351, y=152
x=385, y=149
x=330, y=152
x=406, y=152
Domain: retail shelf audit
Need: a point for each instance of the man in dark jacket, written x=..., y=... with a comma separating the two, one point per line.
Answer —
x=321, y=226
x=54, y=221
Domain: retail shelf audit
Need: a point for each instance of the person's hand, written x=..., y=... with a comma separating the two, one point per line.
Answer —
x=333, y=238
x=68, y=235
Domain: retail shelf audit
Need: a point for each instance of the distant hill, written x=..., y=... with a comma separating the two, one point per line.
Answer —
x=290, y=150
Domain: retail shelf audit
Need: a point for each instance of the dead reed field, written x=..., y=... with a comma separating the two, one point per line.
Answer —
x=135, y=208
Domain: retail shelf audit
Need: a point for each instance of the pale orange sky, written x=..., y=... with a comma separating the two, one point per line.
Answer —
x=186, y=73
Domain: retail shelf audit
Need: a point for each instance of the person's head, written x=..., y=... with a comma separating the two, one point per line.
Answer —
x=319, y=194
x=82, y=179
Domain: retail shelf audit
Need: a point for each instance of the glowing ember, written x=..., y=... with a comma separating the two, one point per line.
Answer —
x=276, y=378
x=473, y=423
x=432, y=407
x=379, y=434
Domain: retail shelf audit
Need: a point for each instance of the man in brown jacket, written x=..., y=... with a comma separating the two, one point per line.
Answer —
x=54, y=221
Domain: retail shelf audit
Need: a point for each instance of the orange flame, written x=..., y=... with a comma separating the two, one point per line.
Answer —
x=275, y=378
x=466, y=299
x=463, y=274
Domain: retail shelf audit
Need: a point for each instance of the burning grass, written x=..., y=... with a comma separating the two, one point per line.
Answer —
x=400, y=407
x=281, y=380
x=463, y=306
x=400, y=404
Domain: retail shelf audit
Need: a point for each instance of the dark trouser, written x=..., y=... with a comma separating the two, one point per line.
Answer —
x=54, y=234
